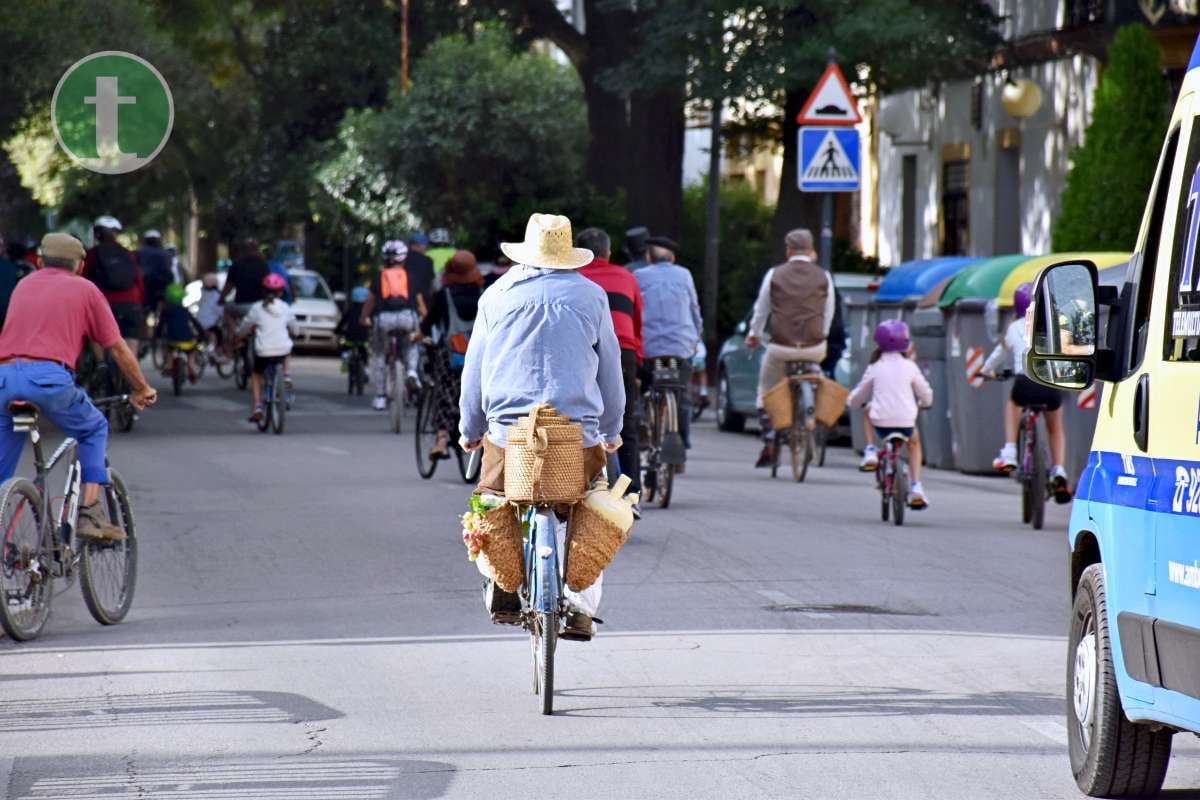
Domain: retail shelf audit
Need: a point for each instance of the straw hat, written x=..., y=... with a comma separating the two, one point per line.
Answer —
x=548, y=245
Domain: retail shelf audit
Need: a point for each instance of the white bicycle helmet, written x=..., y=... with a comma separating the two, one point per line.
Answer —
x=112, y=223
x=396, y=248
x=439, y=237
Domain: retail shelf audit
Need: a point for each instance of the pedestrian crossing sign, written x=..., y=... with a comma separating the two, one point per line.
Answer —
x=829, y=159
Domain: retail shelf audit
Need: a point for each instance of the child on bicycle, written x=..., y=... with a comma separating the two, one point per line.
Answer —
x=179, y=328
x=1025, y=393
x=894, y=390
x=209, y=312
x=356, y=335
x=273, y=324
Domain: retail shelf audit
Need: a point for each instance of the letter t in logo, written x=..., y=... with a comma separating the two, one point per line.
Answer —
x=106, y=100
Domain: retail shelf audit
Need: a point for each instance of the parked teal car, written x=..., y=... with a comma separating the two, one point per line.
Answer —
x=738, y=365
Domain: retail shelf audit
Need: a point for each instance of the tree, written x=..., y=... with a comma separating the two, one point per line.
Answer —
x=1112, y=171
x=485, y=136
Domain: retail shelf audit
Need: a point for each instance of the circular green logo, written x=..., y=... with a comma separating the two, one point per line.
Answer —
x=112, y=112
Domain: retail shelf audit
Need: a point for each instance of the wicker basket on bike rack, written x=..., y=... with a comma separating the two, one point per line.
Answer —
x=599, y=526
x=502, y=553
x=831, y=402
x=778, y=403
x=543, y=462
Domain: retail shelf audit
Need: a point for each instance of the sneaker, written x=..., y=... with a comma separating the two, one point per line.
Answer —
x=1060, y=485
x=1007, y=460
x=505, y=607
x=412, y=381
x=766, y=458
x=870, y=459
x=380, y=402
x=917, y=498
x=287, y=382
x=257, y=414
x=94, y=524
x=579, y=627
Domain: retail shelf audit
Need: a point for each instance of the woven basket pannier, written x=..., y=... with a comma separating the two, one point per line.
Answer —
x=503, y=549
x=831, y=402
x=593, y=545
x=543, y=462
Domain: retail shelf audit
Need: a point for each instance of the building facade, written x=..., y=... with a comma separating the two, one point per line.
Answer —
x=955, y=172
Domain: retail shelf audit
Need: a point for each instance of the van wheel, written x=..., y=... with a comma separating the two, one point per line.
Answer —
x=727, y=418
x=1110, y=756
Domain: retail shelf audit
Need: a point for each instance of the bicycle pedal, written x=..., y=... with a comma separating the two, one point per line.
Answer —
x=506, y=618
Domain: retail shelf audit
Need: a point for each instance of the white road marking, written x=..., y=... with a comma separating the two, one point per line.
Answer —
x=333, y=451
x=1049, y=727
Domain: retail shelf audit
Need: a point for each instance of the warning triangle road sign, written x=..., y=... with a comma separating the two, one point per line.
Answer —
x=831, y=164
x=831, y=103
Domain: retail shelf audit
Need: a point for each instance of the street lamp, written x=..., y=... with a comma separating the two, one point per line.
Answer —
x=1022, y=98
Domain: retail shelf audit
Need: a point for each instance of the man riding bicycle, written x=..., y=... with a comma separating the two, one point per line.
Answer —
x=245, y=281
x=798, y=297
x=116, y=271
x=391, y=309
x=543, y=334
x=53, y=312
x=671, y=324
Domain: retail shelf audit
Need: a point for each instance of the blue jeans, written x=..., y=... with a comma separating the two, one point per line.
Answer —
x=52, y=388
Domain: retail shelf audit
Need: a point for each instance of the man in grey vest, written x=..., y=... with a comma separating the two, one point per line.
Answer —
x=798, y=298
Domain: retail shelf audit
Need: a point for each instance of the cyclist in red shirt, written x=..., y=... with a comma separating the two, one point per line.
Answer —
x=53, y=312
x=115, y=270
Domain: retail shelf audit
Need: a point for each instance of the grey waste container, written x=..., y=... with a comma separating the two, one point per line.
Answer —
x=860, y=331
x=973, y=325
x=928, y=327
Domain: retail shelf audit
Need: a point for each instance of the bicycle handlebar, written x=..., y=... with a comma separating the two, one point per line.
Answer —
x=114, y=400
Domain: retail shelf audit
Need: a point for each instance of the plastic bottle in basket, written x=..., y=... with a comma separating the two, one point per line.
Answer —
x=612, y=504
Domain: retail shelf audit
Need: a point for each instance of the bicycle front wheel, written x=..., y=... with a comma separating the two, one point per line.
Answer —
x=178, y=375
x=107, y=569
x=801, y=445
x=426, y=434
x=1037, y=481
x=278, y=401
x=25, y=579
x=545, y=640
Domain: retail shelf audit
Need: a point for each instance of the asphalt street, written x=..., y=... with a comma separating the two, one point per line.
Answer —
x=307, y=625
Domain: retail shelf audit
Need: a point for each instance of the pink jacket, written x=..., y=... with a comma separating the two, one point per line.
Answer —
x=894, y=387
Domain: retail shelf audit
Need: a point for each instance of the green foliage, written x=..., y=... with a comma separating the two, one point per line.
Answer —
x=1112, y=171
x=485, y=136
x=745, y=233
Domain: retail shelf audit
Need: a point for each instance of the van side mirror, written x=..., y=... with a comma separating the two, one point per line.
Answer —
x=1061, y=326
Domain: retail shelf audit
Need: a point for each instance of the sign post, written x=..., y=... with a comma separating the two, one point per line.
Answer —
x=829, y=147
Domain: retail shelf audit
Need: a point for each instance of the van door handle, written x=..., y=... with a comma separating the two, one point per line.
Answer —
x=1141, y=413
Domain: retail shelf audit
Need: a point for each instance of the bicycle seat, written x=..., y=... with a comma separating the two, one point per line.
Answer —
x=1040, y=408
x=23, y=408
x=802, y=368
x=896, y=437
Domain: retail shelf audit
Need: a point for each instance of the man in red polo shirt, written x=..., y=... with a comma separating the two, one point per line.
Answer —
x=625, y=304
x=52, y=314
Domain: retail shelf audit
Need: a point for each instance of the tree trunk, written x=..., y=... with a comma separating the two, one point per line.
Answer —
x=655, y=187
x=796, y=209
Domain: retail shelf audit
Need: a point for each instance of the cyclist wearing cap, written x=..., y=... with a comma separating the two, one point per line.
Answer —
x=390, y=307
x=1025, y=393
x=116, y=271
x=273, y=324
x=53, y=312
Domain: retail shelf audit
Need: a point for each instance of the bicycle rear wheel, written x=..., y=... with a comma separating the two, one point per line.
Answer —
x=801, y=446
x=241, y=367
x=821, y=441
x=278, y=401
x=666, y=422
x=899, y=494
x=426, y=434
x=25, y=579
x=884, y=480
x=1038, y=479
x=395, y=401
x=178, y=374
x=158, y=353
x=108, y=570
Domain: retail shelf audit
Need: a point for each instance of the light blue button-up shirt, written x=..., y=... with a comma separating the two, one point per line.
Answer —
x=542, y=336
x=671, y=323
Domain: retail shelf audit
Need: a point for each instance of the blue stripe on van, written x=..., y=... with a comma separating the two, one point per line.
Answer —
x=1195, y=62
x=1160, y=485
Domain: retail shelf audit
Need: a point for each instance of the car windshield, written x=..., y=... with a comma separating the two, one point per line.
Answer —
x=309, y=287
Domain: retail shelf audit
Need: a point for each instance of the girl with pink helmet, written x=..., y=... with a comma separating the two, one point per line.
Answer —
x=894, y=390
